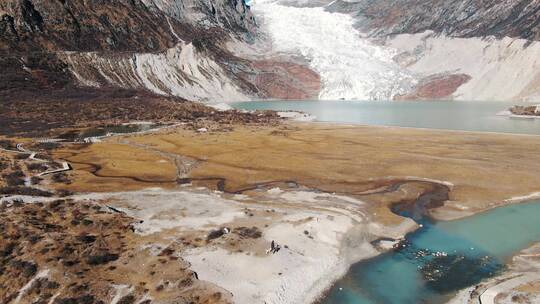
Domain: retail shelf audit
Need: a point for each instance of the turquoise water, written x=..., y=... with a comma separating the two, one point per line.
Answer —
x=450, y=115
x=473, y=249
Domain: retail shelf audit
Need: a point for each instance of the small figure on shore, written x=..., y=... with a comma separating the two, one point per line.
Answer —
x=274, y=248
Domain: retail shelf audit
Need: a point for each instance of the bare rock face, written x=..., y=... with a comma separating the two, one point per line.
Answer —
x=233, y=15
x=525, y=110
x=462, y=18
x=436, y=87
x=42, y=25
x=122, y=25
x=285, y=80
x=169, y=47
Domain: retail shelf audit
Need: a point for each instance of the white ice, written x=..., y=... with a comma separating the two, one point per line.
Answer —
x=351, y=67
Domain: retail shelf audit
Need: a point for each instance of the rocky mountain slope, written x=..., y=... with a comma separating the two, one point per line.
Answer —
x=168, y=47
x=464, y=18
x=300, y=49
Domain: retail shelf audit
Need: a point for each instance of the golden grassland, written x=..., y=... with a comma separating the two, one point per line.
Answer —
x=485, y=169
x=115, y=167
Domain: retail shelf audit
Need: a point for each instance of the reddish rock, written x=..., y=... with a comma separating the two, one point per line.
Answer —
x=286, y=80
x=436, y=87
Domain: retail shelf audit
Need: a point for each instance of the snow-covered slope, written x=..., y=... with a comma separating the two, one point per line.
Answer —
x=350, y=67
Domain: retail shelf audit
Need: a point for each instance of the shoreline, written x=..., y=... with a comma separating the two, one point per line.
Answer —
x=523, y=271
x=505, y=202
x=313, y=118
x=351, y=124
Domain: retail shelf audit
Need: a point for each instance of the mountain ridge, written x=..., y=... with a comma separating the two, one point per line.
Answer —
x=462, y=19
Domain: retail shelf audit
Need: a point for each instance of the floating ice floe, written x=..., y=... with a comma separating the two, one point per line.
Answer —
x=297, y=116
x=221, y=107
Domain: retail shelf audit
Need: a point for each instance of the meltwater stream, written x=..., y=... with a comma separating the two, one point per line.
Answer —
x=441, y=258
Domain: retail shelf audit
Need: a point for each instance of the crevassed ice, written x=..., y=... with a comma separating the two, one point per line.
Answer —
x=350, y=66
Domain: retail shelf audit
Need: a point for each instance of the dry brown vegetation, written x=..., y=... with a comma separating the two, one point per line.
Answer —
x=83, y=250
x=32, y=114
x=343, y=159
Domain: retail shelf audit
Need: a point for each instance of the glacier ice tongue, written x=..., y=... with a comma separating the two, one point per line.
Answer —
x=351, y=67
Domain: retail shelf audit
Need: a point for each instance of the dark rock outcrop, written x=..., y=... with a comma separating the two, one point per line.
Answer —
x=525, y=110
x=34, y=32
x=77, y=25
x=462, y=18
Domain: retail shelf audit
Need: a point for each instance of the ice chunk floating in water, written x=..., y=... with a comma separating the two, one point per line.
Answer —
x=350, y=66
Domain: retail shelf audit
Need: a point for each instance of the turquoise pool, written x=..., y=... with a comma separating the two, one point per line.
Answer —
x=441, y=258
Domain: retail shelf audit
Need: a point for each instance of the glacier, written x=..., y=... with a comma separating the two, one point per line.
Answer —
x=350, y=66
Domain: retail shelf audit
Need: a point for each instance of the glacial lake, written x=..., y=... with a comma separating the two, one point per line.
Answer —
x=449, y=115
x=441, y=258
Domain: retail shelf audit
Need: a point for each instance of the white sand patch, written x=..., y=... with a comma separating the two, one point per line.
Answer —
x=522, y=271
x=488, y=296
x=275, y=191
x=515, y=199
x=333, y=203
x=160, y=210
x=507, y=113
x=297, y=274
x=396, y=232
x=320, y=234
x=221, y=106
x=462, y=297
x=422, y=179
x=313, y=197
x=8, y=199
x=121, y=291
